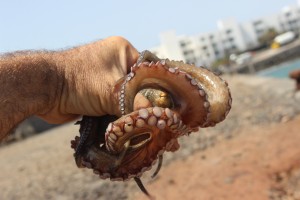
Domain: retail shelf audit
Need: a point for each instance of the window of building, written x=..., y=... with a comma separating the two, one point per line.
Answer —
x=287, y=14
x=257, y=23
x=259, y=31
x=191, y=60
x=182, y=44
x=188, y=52
x=230, y=39
x=228, y=31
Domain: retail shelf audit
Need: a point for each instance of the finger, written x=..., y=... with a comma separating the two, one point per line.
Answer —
x=140, y=101
x=132, y=56
x=128, y=54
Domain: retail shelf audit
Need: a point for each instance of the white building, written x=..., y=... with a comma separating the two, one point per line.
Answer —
x=230, y=37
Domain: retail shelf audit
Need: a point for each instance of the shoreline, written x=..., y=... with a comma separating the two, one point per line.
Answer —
x=285, y=65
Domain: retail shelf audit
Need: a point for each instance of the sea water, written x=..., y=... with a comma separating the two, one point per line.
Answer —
x=282, y=70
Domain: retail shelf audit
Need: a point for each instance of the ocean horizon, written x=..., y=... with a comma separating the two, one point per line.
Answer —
x=282, y=70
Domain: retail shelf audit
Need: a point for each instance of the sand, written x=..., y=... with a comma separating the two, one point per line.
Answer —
x=260, y=164
x=253, y=154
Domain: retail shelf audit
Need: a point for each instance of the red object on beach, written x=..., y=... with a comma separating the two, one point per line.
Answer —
x=296, y=75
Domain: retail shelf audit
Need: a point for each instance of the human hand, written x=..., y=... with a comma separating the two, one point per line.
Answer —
x=90, y=73
x=60, y=86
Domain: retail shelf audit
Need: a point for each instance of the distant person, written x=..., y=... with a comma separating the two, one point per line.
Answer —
x=296, y=75
x=59, y=86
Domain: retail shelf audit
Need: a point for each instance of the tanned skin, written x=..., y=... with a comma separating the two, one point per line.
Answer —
x=60, y=86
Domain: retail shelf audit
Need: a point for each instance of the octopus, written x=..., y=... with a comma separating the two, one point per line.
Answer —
x=177, y=99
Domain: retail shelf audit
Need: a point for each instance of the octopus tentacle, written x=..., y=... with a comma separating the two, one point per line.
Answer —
x=191, y=99
x=89, y=125
x=218, y=93
x=154, y=125
x=84, y=130
x=214, y=85
x=141, y=186
x=160, y=161
x=161, y=125
x=162, y=74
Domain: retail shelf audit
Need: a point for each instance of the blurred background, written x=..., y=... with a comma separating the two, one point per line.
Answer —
x=252, y=44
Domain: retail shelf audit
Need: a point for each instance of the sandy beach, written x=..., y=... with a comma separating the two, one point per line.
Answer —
x=253, y=154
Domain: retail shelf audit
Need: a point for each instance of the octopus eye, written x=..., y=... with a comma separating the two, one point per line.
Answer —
x=158, y=97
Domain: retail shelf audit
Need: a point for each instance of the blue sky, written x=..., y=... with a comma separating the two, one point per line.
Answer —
x=36, y=24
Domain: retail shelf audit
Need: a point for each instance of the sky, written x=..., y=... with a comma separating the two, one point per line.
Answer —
x=60, y=24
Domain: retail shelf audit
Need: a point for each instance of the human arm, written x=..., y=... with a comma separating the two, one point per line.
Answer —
x=60, y=86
